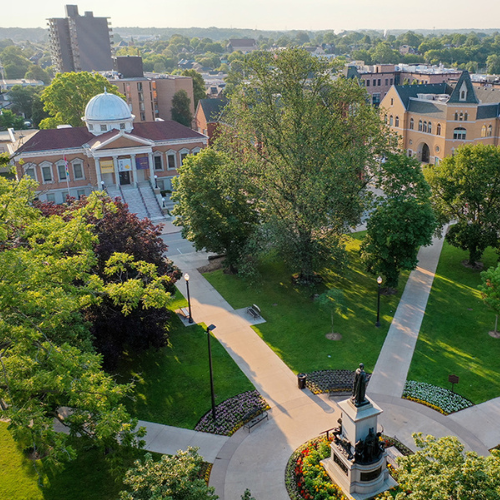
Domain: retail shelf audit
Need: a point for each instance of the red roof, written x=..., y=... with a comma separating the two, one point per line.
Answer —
x=67, y=138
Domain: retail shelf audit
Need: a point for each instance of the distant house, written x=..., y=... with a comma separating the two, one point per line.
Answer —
x=208, y=116
x=244, y=45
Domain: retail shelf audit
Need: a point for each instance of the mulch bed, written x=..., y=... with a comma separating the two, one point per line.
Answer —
x=322, y=381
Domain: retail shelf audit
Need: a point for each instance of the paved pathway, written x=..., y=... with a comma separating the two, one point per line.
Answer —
x=257, y=460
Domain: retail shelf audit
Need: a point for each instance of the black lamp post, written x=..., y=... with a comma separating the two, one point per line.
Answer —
x=186, y=277
x=156, y=182
x=209, y=329
x=379, y=281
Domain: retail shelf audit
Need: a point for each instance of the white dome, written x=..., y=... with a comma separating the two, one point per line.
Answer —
x=107, y=107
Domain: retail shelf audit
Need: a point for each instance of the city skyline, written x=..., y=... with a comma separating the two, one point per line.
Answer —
x=278, y=15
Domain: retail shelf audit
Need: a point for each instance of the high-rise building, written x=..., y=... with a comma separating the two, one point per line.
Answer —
x=80, y=43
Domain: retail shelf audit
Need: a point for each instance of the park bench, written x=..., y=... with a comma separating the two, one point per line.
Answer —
x=254, y=416
x=254, y=311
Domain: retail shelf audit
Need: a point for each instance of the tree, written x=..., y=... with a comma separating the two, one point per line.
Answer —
x=139, y=326
x=213, y=206
x=490, y=290
x=181, y=111
x=23, y=99
x=441, y=470
x=172, y=478
x=493, y=64
x=247, y=495
x=306, y=144
x=402, y=221
x=333, y=300
x=466, y=188
x=46, y=356
x=199, y=91
x=9, y=120
x=37, y=73
x=68, y=94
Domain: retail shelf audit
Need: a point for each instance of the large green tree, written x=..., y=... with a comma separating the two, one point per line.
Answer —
x=307, y=144
x=441, y=470
x=199, y=91
x=68, y=94
x=490, y=291
x=213, y=206
x=466, y=189
x=181, y=108
x=402, y=221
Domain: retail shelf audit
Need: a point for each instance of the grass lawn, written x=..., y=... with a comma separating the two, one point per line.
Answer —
x=86, y=478
x=173, y=384
x=295, y=325
x=454, y=334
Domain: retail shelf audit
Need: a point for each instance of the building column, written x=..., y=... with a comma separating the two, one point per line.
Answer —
x=151, y=170
x=134, y=170
x=98, y=173
x=117, y=174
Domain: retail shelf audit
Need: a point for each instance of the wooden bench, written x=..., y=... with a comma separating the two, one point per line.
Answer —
x=184, y=311
x=253, y=417
x=254, y=311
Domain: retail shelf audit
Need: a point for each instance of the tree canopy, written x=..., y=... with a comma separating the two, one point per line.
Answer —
x=199, y=91
x=68, y=94
x=466, y=189
x=181, y=111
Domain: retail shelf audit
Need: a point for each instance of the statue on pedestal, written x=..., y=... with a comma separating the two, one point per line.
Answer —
x=359, y=387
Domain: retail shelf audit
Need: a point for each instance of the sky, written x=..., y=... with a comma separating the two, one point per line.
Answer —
x=268, y=14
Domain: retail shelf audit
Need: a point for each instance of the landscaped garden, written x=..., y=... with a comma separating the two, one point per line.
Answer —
x=296, y=326
x=454, y=335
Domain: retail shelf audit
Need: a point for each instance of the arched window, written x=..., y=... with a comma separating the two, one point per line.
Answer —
x=429, y=128
x=456, y=116
x=438, y=129
x=483, y=131
x=489, y=130
x=397, y=121
x=420, y=125
x=411, y=123
x=391, y=120
x=425, y=127
x=385, y=118
x=460, y=134
x=465, y=117
x=461, y=117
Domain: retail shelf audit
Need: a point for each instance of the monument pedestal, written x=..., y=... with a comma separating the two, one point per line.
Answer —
x=357, y=463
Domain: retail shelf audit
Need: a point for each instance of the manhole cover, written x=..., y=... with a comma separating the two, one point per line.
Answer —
x=333, y=336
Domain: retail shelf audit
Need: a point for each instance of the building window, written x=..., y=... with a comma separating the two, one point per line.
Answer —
x=391, y=120
x=379, y=82
x=461, y=117
x=80, y=193
x=78, y=171
x=158, y=163
x=391, y=81
x=465, y=117
x=51, y=197
x=104, y=128
x=91, y=127
x=139, y=86
x=171, y=161
x=376, y=99
x=122, y=126
x=367, y=83
x=438, y=129
x=61, y=169
x=392, y=101
x=490, y=129
x=396, y=123
x=141, y=97
x=420, y=125
x=47, y=174
x=425, y=127
x=456, y=116
x=462, y=95
x=429, y=128
x=460, y=134
x=374, y=83
x=437, y=149
x=30, y=172
x=143, y=117
x=412, y=123
x=483, y=131
x=385, y=119
x=183, y=156
x=387, y=81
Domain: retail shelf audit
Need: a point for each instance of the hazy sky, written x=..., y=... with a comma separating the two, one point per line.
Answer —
x=267, y=14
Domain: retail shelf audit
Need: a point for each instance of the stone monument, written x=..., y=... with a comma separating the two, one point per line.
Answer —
x=358, y=462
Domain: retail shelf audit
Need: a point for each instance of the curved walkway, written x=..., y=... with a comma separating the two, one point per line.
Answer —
x=257, y=460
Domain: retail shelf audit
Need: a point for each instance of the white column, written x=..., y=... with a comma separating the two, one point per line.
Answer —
x=134, y=170
x=98, y=173
x=151, y=170
x=117, y=174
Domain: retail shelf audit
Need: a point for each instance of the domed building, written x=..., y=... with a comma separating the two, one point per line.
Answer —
x=134, y=161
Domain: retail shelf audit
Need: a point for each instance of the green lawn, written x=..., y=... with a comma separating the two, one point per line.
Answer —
x=295, y=326
x=173, y=384
x=454, y=334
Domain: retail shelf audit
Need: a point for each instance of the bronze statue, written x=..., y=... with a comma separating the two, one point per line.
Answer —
x=359, y=387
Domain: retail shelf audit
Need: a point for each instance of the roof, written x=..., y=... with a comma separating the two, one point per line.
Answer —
x=242, y=42
x=407, y=91
x=429, y=108
x=470, y=96
x=107, y=107
x=488, y=111
x=69, y=138
x=487, y=95
x=213, y=108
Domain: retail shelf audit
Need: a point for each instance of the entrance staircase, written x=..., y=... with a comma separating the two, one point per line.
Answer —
x=141, y=200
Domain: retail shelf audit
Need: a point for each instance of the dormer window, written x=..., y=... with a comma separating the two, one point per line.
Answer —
x=122, y=126
x=104, y=128
x=463, y=92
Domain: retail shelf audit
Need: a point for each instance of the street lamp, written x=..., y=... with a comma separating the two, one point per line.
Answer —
x=379, y=281
x=103, y=187
x=186, y=277
x=156, y=182
x=209, y=329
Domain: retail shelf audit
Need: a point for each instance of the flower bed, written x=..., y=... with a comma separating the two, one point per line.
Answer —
x=437, y=398
x=331, y=381
x=231, y=412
